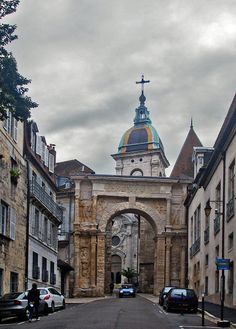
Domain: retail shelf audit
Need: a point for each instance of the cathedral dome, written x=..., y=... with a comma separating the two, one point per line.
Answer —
x=141, y=137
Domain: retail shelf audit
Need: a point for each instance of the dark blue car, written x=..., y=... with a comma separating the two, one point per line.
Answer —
x=181, y=299
x=127, y=290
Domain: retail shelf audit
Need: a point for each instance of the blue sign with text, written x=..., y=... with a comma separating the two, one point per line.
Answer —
x=222, y=263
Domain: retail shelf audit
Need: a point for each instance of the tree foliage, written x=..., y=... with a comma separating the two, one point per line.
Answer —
x=129, y=273
x=12, y=85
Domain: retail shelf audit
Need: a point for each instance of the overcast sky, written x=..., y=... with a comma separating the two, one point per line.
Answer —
x=84, y=57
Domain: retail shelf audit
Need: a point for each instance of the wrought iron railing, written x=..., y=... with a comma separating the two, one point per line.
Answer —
x=41, y=195
x=206, y=235
x=217, y=224
x=195, y=247
x=230, y=209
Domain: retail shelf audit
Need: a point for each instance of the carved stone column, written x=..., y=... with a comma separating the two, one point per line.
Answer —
x=183, y=265
x=159, y=263
x=167, y=260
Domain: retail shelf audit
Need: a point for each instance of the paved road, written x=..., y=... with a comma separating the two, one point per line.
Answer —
x=114, y=313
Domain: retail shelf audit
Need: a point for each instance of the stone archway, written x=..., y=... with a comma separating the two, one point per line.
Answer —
x=98, y=199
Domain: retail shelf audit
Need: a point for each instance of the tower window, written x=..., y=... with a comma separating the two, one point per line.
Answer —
x=132, y=160
x=141, y=159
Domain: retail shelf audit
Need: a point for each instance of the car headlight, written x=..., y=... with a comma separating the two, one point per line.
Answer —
x=121, y=291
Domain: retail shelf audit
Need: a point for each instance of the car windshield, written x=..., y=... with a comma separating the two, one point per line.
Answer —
x=182, y=292
x=12, y=295
x=43, y=292
x=167, y=289
x=126, y=286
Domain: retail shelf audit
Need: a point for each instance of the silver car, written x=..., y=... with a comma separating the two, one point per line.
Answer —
x=16, y=304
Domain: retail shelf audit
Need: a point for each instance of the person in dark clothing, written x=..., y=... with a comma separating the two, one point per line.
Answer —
x=33, y=302
x=111, y=287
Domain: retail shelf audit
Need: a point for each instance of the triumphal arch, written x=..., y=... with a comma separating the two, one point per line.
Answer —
x=99, y=199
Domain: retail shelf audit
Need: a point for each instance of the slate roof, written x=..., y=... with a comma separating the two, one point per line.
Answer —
x=184, y=165
x=72, y=168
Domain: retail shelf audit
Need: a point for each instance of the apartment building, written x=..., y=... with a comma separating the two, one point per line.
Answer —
x=211, y=217
x=44, y=214
x=13, y=206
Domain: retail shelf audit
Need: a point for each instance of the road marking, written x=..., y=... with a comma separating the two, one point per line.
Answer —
x=198, y=327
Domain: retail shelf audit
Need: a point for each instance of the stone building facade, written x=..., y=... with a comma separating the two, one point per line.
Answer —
x=13, y=206
x=212, y=236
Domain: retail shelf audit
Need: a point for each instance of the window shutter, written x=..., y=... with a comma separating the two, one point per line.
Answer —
x=12, y=224
x=32, y=220
x=43, y=151
x=40, y=225
x=38, y=144
x=51, y=163
x=15, y=130
x=46, y=155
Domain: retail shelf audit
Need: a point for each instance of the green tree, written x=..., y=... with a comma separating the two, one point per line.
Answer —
x=12, y=85
x=130, y=273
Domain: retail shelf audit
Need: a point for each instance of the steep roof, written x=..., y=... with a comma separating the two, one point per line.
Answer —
x=184, y=166
x=71, y=168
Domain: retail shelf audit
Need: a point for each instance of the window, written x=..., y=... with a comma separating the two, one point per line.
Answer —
x=13, y=282
x=45, y=230
x=35, y=268
x=4, y=218
x=191, y=233
x=52, y=274
x=231, y=180
x=206, y=285
x=11, y=126
x=7, y=221
x=206, y=259
x=218, y=198
x=36, y=222
x=217, y=251
x=44, y=270
x=231, y=241
x=231, y=278
x=197, y=223
x=115, y=240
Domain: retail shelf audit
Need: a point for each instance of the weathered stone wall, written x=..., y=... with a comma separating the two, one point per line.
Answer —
x=101, y=198
x=12, y=251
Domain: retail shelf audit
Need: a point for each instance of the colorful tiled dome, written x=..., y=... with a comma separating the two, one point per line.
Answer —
x=141, y=137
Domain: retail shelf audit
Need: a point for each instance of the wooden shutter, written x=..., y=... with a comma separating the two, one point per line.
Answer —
x=51, y=163
x=38, y=144
x=12, y=224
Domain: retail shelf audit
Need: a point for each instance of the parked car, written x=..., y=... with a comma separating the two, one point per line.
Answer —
x=16, y=304
x=127, y=290
x=163, y=294
x=54, y=298
x=181, y=299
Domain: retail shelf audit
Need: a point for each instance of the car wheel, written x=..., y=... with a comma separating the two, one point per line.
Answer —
x=0, y=319
x=52, y=307
x=120, y=296
x=45, y=310
x=24, y=316
x=63, y=304
x=167, y=308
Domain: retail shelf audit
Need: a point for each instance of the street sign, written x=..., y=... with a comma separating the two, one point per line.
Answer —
x=222, y=263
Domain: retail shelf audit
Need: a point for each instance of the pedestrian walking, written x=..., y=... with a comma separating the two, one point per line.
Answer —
x=111, y=287
x=33, y=302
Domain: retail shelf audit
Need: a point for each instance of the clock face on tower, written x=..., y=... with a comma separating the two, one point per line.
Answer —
x=136, y=172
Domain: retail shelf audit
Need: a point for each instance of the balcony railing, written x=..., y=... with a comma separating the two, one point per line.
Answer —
x=206, y=235
x=41, y=195
x=230, y=209
x=195, y=247
x=217, y=224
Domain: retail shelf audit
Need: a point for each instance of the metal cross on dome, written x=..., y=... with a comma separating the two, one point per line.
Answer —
x=142, y=82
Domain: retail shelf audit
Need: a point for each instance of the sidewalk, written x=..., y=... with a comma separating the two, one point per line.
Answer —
x=214, y=309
